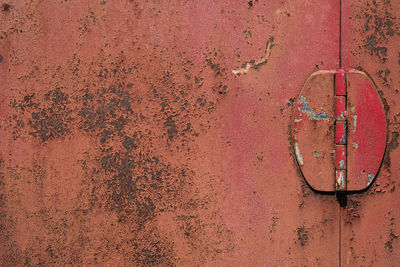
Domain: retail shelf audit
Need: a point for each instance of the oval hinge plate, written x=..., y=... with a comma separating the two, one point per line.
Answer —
x=339, y=131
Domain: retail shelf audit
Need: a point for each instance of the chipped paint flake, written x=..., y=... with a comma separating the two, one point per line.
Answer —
x=298, y=119
x=342, y=165
x=343, y=139
x=371, y=176
x=252, y=64
x=316, y=154
x=312, y=115
x=298, y=154
x=355, y=145
x=354, y=123
x=341, y=116
x=340, y=182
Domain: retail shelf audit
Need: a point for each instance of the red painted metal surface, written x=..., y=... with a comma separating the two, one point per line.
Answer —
x=340, y=82
x=340, y=152
x=366, y=131
x=157, y=133
x=370, y=221
x=161, y=133
x=340, y=133
x=340, y=108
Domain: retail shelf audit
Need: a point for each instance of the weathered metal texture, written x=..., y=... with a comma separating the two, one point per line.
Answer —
x=324, y=105
x=340, y=83
x=341, y=133
x=313, y=131
x=340, y=88
x=370, y=222
x=340, y=108
x=366, y=131
x=340, y=168
x=341, y=159
x=156, y=133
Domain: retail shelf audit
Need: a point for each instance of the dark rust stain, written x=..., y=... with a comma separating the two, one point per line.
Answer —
x=379, y=25
x=170, y=125
x=392, y=145
x=48, y=120
x=6, y=7
x=390, y=240
x=302, y=235
x=352, y=209
x=384, y=75
x=251, y=3
x=126, y=176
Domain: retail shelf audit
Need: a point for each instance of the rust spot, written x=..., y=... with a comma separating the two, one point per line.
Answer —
x=393, y=144
x=384, y=76
x=379, y=25
x=251, y=3
x=386, y=106
x=50, y=120
x=171, y=128
x=215, y=67
x=302, y=235
x=389, y=242
x=6, y=7
x=352, y=210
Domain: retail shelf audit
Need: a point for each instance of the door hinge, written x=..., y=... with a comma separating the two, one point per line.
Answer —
x=340, y=130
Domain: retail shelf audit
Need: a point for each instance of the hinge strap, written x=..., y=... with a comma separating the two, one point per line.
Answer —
x=340, y=131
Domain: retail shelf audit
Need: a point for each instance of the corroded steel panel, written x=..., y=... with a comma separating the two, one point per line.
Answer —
x=370, y=222
x=156, y=133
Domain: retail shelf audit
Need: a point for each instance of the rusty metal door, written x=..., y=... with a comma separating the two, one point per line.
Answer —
x=143, y=133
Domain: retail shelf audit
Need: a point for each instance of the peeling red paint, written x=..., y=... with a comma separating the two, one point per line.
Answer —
x=127, y=140
x=128, y=137
x=370, y=43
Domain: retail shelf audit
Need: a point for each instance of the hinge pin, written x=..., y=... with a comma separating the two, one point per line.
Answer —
x=340, y=130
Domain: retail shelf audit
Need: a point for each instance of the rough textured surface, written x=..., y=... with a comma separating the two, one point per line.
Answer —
x=367, y=132
x=313, y=131
x=371, y=42
x=127, y=138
